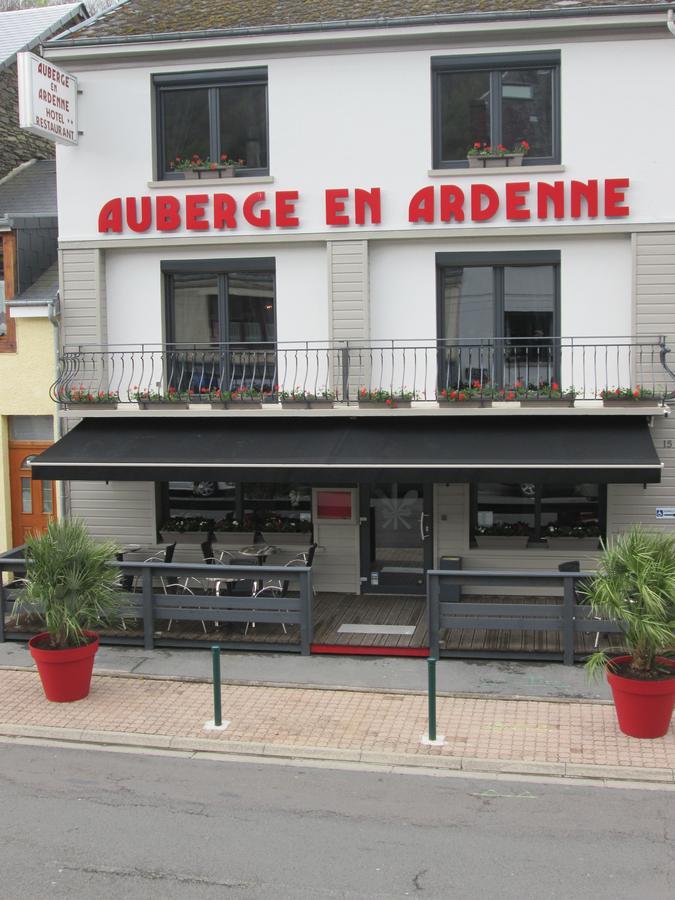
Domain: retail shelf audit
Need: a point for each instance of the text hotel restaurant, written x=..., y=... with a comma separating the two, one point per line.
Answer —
x=360, y=331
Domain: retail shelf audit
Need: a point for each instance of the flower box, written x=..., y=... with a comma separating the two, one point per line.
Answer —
x=573, y=543
x=164, y=404
x=307, y=404
x=102, y=404
x=497, y=161
x=208, y=174
x=248, y=403
x=502, y=541
x=382, y=404
x=184, y=537
x=287, y=538
x=625, y=401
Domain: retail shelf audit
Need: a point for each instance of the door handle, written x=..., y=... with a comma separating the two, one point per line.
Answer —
x=423, y=533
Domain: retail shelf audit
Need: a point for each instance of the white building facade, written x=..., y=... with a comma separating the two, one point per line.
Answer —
x=355, y=247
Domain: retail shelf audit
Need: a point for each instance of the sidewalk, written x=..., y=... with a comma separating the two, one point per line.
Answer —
x=544, y=737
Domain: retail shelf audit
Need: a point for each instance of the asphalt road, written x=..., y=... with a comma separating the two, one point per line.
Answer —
x=87, y=824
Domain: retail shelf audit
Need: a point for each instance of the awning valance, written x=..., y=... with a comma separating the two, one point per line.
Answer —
x=339, y=450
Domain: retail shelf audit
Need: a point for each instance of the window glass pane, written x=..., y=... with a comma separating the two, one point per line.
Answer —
x=195, y=309
x=31, y=428
x=186, y=123
x=26, y=498
x=570, y=511
x=529, y=304
x=47, y=498
x=464, y=111
x=251, y=307
x=505, y=509
x=468, y=317
x=527, y=109
x=280, y=508
x=243, y=123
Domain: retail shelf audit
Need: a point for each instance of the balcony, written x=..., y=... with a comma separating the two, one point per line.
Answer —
x=565, y=373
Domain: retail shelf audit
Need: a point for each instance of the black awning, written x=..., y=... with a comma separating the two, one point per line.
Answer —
x=340, y=450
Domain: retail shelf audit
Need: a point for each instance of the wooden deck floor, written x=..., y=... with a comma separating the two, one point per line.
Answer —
x=334, y=609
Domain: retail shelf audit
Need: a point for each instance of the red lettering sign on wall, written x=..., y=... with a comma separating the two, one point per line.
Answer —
x=518, y=201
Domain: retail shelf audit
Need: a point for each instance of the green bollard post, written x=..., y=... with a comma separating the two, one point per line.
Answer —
x=431, y=667
x=217, y=712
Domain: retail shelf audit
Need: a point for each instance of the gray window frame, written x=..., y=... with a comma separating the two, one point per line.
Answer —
x=494, y=64
x=497, y=261
x=222, y=268
x=212, y=81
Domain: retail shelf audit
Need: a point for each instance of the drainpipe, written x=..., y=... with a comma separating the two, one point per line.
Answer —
x=53, y=312
x=671, y=22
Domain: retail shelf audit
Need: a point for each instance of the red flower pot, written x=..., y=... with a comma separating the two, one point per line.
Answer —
x=643, y=708
x=65, y=674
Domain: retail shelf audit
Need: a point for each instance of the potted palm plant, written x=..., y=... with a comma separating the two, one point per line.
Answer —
x=70, y=582
x=635, y=587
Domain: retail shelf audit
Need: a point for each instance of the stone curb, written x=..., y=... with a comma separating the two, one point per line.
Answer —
x=294, y=685
x=211, y=747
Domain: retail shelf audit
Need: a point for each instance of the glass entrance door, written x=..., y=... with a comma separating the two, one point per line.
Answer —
x=396, y=539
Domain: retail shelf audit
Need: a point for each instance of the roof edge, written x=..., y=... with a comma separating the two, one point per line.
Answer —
x=79, y=8
x=61, y=41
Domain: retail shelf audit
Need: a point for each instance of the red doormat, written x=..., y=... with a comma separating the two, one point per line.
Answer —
x=347, y=650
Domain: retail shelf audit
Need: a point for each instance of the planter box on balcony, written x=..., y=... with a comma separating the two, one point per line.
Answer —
x=455, y=405
x=287, y=538
x=547, y=401
x=501, y=542
x=620, y=401
x=395, y=404
x=81, y=405
x=236, y=404
x=184, y=537
x=307, y=404
x=572, y=543
x=164, y=404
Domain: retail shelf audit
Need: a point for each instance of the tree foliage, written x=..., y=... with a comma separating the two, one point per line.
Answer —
x=635, y=587
x=70, y=581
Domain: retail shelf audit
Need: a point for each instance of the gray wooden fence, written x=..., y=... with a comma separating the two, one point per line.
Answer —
x=187, y=593
x=568, y=615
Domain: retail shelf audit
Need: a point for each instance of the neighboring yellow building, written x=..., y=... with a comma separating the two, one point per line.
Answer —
x=26, y=427
x=28, y=299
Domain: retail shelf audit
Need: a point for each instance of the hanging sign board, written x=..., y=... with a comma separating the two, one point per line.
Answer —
x=47, y=99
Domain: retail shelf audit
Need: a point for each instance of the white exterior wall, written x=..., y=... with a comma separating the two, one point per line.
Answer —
x=375, y=129
x=135, y=290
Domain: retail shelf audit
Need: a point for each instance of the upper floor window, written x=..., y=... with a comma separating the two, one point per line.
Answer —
x=495, y=100
x=212, y=115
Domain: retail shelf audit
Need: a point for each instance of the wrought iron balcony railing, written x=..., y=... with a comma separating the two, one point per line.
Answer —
x=482, y=371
